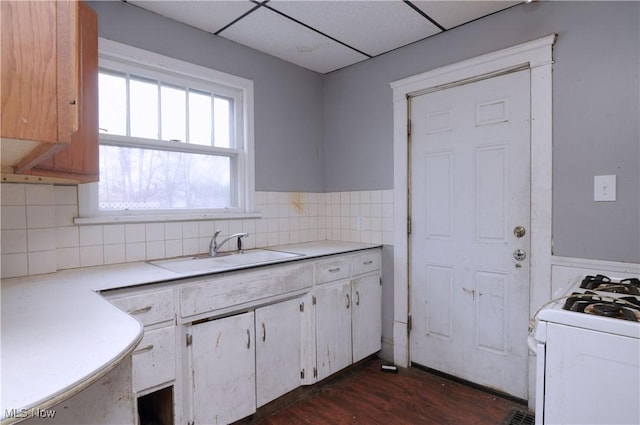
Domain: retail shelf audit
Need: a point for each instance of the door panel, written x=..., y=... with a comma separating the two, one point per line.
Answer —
x=470, y=171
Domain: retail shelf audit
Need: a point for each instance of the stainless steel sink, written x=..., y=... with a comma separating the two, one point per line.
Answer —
x=223, y=261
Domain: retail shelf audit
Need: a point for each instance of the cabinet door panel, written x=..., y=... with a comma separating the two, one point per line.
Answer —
x=366, y=316
x=223, y=369
x=278, y=350
x=154, y=361
x=333, y=327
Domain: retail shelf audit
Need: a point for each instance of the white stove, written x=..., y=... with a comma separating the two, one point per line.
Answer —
x=587, y=344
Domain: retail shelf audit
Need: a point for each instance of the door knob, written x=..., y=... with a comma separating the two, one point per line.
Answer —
x=519, y=254
x=519, y=231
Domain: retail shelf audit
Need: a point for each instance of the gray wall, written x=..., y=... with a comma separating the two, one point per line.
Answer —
x=288, y=99
x=595, y=114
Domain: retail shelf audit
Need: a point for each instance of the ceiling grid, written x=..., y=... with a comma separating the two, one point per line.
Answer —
x=324, y=35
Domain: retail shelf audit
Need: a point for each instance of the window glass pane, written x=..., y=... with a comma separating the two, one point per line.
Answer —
x=143, y=100
x=174, y=113
x=200, y=118
x=222, y=122
x=133, y=178
x=113, y=104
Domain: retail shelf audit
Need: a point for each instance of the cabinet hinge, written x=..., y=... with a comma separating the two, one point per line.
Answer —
x=313, y=300
x=315, y=372
x=302, y=374
x=189, y=339
x=409, y=323
x=301, y=307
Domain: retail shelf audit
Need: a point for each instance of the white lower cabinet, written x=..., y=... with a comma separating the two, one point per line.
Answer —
x=154, y=360
x=366, y=316
x=333, y=327
x=251, y=336
x=223, y=369
x=348, y=322
x=278, y=350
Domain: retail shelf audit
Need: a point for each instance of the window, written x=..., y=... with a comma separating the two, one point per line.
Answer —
x=175, y=138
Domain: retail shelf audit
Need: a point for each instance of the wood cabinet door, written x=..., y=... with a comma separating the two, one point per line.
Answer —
x=366, y=316
x=223, y=369
x=80, y=159
x=29, y=70
x=278, y=350
x=333, y=327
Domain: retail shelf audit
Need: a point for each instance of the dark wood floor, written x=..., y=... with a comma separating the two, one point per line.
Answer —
x=365, y=395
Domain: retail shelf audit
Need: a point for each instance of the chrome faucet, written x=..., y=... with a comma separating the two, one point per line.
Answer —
x=214, y=246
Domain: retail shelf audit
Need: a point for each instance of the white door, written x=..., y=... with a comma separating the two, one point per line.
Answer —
x=470, y=192
x=278, y=346
x=223, y=369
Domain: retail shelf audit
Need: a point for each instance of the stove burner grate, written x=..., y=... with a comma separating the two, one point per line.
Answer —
x=603, y=283
x=592, y=303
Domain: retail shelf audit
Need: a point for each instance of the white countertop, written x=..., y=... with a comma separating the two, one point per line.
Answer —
x=59, y=335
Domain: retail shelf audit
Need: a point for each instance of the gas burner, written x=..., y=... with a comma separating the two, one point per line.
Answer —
x=603, y=283
x=625, y=308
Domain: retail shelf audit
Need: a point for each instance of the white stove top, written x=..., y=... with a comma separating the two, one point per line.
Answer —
x=555, y=312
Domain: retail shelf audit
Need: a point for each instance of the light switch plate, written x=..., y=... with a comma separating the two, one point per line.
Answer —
x=604, y=188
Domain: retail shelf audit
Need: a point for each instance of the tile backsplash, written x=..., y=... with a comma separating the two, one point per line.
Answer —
x=39, y=235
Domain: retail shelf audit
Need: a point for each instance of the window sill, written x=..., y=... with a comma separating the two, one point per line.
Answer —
x=154, y=218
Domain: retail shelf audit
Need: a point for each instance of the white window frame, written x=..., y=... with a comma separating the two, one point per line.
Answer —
x=121, y=57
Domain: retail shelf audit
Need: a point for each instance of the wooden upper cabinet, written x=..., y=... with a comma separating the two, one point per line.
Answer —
x=50, y=90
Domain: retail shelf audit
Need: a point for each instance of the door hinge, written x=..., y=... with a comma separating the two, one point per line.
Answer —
x=189, y=339
x=408, y=127
x=301, y=307
x=313, y=300
x=315, y=372
x=408, y=225
x=380, y=279
x=409, y=323
x=302, y=374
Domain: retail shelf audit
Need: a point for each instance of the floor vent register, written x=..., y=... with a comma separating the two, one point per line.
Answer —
x=518, y=417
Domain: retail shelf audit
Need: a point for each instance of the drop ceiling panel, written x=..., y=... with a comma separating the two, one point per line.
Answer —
x=450, y=14
x=209, y=16
x=269, y=32
x=372, y=27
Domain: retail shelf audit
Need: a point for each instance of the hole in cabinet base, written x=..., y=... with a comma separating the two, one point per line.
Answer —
x=156, y=408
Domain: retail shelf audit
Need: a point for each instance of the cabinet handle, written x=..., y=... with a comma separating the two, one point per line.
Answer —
x=337, y=269
x=264, y=333
x=366, y=263
x=141, y=310
x=348, y=301
x=144, y=350
x=248, y=339
x=357, y=298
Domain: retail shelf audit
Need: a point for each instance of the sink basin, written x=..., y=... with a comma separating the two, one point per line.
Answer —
x=223, y=261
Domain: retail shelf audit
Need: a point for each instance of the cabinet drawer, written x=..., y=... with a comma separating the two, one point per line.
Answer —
x=149, y=308
x=154, y=360
x=335, y=269
x=365, y=263
x=244, y=287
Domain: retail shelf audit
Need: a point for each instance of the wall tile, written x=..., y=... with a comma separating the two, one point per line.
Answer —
x=115, y=253
x=41, y=240
x=91, y=235
x=135, y=251
x=65, y=195
x=91, y=256
x=154, y=232
x=68, y=258
x=13, y=194
x=42, y=262
x=41, y=216
x=134, y=233
x=13, y=217
x=38, y=194
x=14, y=265
x=65, y=214
x=114, y=234
x=14, y=241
